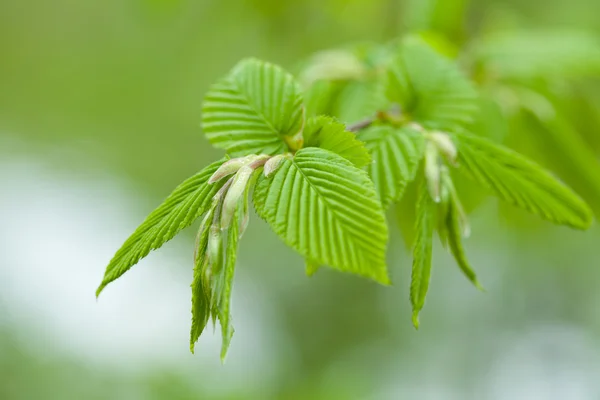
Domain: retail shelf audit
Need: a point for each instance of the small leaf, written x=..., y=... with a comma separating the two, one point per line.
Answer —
x=228, y=274
x=430, y=88
x=421, y=267
x=256, y=109
x=188, y=201
x=521, y=182
x=200, y=298
x=396, y=155
x=325, y=208
x=326, y=133
x=454, y=229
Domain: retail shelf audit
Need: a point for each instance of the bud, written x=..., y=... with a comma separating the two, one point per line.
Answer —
x=232, y=166
x=445, y=145
x=432, y=171
x=273, y=164
x=215, y=248
x=234, y=194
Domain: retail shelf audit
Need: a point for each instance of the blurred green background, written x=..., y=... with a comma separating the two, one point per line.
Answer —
x=99, y=112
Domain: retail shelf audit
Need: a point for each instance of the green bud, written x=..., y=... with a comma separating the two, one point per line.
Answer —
x=445, y=146
x=232, y=166
x=234, y=194
x=273, y=164
x=215, y=248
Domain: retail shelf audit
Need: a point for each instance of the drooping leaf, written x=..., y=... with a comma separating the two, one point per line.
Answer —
x=421, y=267
x=254, y=110
x=521, y=182
x=200, y=297
x=326, y=133
x=430, y=88
x=227, y=278
x=396, y=155
x=188, y=201
x=325, y=208
x=453, y=230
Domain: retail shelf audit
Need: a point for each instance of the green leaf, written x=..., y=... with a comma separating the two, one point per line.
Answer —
x=256, y=109
x=521, y=182
x=453, y=231
x=430, y=88
x=326, y=209
x=188, y=201
x=421, y=267
x=396, y=155
x=227, y=279
x=200, y=298
x=326, y=133
x=531, y=54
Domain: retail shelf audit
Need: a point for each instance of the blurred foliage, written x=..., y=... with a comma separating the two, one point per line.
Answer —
x=108, y=87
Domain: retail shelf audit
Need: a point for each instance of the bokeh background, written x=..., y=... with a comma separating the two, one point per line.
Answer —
x=99, y=113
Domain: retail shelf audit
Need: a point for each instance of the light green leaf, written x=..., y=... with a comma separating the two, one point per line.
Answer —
x=421, y=267
x=188, y=201
x=521, y=182
x=326, y=209
x=311, y=267
x=430, y=88
x=396, y=155
x=326, y=133
x=254, y=110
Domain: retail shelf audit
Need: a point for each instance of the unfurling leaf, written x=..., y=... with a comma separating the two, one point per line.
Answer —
x=188, y=201
x=256, y=109
x=521, y=182
x=326, y=133
x=396, y=155
x=325, y=208
x=454, y=228
x=421, y=267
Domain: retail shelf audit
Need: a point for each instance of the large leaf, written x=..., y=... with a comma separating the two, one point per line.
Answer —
x=253, y=109
x=187, y=202
x=328, y=134
x=396, y=154
x=430, y=88
x=326, y=209
x=421, y=267
x=521, y=182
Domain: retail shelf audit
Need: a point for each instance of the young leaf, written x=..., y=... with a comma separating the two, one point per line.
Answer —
x=326, y=133
x=453, y=230
x=421, y=267
x=256, y=109
x=521, y=182
x=228, y=274
x=325, y=208
x=200, y=298
x=188, y=201
x=430, y=88
x=396, y=154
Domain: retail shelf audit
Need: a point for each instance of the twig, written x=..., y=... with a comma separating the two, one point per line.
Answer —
x=357, y=126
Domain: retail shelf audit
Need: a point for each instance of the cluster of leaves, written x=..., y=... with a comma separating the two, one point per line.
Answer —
x=324, y=186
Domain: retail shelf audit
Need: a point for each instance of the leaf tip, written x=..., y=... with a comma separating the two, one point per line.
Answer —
x=415, y=319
